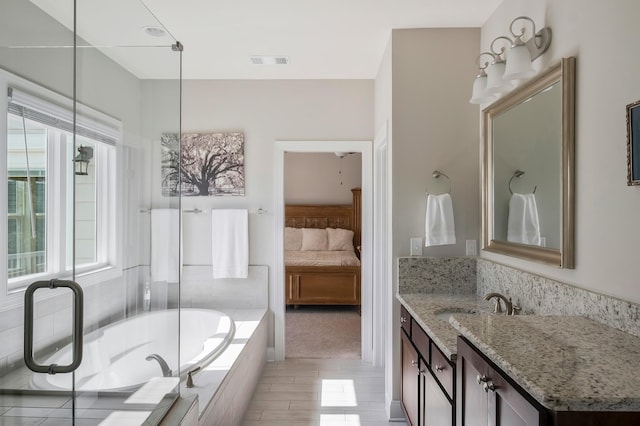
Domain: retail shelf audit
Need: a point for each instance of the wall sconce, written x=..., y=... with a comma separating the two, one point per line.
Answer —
x=81, y=162
x=494, y=78
x=479, y=93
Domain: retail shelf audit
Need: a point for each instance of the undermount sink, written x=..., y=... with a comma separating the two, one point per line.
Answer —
x=444, y=315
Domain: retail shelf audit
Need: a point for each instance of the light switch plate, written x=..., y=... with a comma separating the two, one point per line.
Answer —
x=416, y=246
x=471, y=248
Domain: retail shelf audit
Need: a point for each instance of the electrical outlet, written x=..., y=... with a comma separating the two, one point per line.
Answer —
x=471, y=248
x=416, y=246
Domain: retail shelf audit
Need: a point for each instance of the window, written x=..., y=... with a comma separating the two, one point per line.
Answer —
x=58, y=221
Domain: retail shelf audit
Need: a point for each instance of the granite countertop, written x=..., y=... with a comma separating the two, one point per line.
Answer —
x=424, y=307
x=567, y=363
x=564, y=362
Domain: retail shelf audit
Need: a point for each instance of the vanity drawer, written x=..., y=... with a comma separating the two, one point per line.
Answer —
x=442, y=369
x=405, y=320
x=420, y=340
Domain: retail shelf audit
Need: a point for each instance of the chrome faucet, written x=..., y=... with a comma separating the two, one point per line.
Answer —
x=166, y=371
x=511, y=308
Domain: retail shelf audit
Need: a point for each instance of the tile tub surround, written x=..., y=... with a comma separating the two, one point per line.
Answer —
x=224, y=387
x=567, y=363
x=454, y=275
x=543, y=296
x=424, y=307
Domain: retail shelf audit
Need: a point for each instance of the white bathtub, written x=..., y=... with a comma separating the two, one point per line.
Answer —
x=114, y=357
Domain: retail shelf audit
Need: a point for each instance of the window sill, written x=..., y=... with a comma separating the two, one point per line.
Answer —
x=86, y=277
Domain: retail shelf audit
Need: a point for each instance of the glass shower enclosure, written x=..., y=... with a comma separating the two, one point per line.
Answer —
x=89, y=289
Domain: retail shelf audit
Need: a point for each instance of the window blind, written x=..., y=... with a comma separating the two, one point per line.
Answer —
x=89, y=123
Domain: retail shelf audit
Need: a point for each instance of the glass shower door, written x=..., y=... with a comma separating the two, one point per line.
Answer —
x=84, y=168
x=36, y=74
x=123, y=223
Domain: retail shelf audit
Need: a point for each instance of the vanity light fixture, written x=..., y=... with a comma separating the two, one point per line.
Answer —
x=479, y=93
x=494, y=78
x=496, y=83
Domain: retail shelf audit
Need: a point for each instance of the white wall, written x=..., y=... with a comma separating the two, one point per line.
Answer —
x=321, y=178
x=433, y=127
x=602, y=36
x=266, y=111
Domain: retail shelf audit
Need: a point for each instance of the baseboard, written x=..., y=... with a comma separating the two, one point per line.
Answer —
x=271, y=354
x=395, y=412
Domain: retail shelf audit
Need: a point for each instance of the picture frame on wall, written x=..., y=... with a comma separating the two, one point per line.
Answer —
x=633, y=143
x=203, y=164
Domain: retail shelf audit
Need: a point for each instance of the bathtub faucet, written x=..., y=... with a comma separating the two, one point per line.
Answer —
x=166, y=371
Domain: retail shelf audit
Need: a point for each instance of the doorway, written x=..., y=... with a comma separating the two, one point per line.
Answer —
x=278, y=295
x=321, y=250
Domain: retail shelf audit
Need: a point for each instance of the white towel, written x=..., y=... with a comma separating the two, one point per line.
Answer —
x=439, y=224
x=230, y=243
x=166, y=245
x=523, y=225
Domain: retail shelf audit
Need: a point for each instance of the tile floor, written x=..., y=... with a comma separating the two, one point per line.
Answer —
x=319, y=392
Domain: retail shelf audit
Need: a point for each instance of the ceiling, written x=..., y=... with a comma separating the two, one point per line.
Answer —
x=329, y=39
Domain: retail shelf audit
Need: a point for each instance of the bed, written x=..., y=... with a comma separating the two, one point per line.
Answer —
x=316, y=274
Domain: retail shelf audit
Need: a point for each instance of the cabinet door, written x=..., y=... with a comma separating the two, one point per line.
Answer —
x=485, y=397
x=472, y=402
x=438, y=410
x=409, y=389
x=508, y=407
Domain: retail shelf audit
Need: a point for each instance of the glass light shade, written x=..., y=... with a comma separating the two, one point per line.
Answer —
x=518, y=63
x=479, y=95
x=495, y=82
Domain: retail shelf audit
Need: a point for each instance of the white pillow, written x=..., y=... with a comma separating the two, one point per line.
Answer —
x=340, y=239
x=314, y=240
x=292, y=239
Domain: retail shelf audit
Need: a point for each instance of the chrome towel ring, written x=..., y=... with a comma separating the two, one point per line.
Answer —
x=436, y=174
x=517, y=174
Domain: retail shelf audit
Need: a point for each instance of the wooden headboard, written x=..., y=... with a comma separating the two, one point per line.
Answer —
x=327, y=216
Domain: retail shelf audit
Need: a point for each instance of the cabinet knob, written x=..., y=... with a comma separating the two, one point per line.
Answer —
x=489, y=386
x=481, y=379
x=421, y=372
x=438, y=368
x=414, y=363
x=403, y=320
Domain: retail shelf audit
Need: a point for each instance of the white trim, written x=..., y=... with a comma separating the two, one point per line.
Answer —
x=277, y=298
x=380, y=243
x=61, y=107
x=107, y=267
x=394, y=412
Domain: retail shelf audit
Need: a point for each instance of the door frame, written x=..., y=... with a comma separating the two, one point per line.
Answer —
x=278, y=296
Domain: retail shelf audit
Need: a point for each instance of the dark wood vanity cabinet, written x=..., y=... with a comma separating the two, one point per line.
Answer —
x=409, y=391
x=475, y=391
x=428, y=378
x=486, y=397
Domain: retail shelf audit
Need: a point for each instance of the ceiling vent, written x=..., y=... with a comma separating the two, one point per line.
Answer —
x=269, y=60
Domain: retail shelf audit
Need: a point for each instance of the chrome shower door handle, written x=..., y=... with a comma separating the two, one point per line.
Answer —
x=78, y=308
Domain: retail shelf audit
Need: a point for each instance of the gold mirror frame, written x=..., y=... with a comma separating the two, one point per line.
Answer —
x=563, y=257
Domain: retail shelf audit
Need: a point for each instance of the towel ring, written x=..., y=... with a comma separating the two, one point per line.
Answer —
x=436, y=174
x=517, y=174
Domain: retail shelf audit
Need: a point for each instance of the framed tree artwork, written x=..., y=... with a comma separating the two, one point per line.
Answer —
x=202, y=164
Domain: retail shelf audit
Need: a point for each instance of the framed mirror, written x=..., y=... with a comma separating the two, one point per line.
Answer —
x=528, y=170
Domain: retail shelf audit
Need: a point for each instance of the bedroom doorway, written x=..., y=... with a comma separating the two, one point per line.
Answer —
x=278, y=299
x=322, y=239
